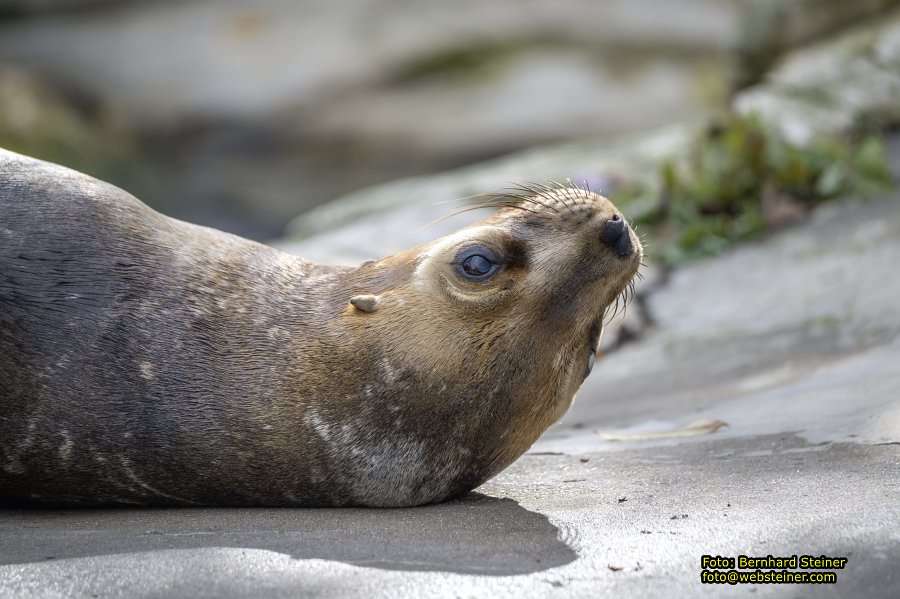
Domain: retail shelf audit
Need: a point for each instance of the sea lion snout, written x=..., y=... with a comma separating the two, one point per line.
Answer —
x=616, y=235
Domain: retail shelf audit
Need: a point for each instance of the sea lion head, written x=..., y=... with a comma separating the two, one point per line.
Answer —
x=497, y=325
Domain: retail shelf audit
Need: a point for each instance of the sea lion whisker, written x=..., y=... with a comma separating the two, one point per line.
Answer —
x=586, y=188
x=549, y=191
x=532, y=195
x=535, y=201
x=537, y=188
x=565, y=200
x=459, y=199
x=615, y=310
x=511, y=193
x=531, y=191
x=471, y=208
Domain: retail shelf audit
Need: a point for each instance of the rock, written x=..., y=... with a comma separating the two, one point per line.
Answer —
x=841, y=85
x=769, y=28
x=529, y=96
x=829, y=88
x=825, y=273
x=796, y=332
x=233, y=59
x=252, y=111
x=318, y=60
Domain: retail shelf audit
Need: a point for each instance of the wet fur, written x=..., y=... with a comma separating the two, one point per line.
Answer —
x=148, y=361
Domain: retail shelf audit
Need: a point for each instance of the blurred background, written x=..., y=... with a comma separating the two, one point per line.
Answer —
x=761, y=132
x=243, y=114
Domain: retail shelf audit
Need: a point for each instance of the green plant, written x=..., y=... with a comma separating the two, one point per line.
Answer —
x=738, y=180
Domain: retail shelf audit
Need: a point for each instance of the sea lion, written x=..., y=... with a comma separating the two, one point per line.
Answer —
x=148, y=361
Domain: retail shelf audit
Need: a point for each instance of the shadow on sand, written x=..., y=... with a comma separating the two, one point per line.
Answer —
x=476, y=534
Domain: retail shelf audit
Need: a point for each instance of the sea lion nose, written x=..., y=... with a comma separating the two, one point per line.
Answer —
x=615, y=235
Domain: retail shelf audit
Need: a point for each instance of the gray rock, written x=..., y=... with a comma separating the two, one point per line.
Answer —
x=530, y=96
x=840, y=85
x=800, y=332
x=239, y=59
x=461, y=80
x=260, y=109
x=830, y=88
x=255, y=110
x=246, y=59
x=771, y=27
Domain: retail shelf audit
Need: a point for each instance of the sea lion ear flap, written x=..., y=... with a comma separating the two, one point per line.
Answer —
x=365, y=303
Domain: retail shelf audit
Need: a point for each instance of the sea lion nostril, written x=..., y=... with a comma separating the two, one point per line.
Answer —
x=612, y=230
x=615, y=235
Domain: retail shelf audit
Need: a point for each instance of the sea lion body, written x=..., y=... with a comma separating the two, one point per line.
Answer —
x=148, y=361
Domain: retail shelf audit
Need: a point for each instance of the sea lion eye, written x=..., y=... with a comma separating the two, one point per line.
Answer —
x=477, y=263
